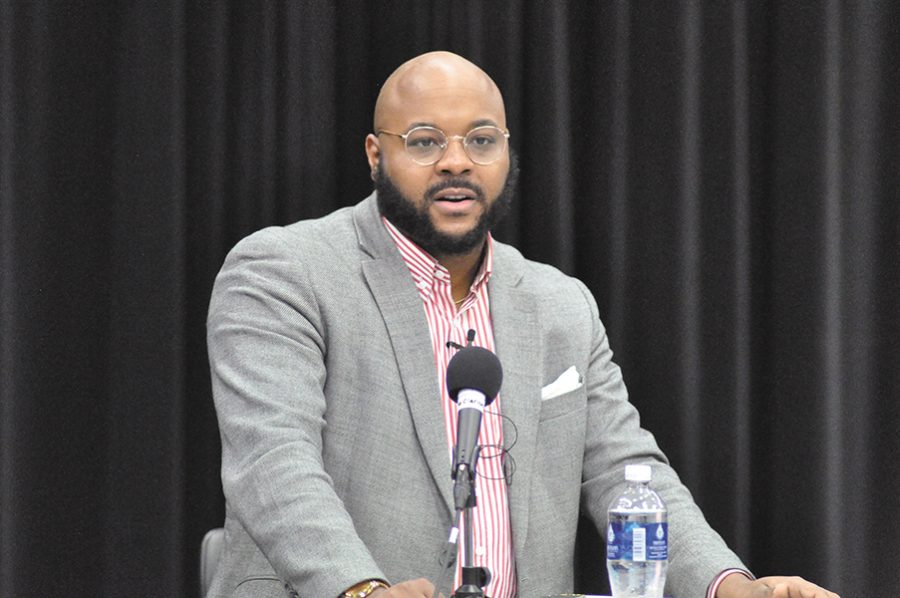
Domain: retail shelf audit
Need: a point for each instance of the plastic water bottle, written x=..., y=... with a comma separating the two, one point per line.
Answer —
x=637, y=538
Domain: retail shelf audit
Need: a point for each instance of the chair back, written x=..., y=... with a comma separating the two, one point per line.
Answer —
x=210, y=552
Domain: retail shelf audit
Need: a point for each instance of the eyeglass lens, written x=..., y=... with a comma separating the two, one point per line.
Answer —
x=483, y=145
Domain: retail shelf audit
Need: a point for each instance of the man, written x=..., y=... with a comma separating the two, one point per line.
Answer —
x=329, y=342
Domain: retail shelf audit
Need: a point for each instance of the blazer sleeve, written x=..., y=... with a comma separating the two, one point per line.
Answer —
x=266, y=348
x=615, y=438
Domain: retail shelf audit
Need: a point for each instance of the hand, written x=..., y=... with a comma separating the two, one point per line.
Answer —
x=417, y=588
x=738, y=586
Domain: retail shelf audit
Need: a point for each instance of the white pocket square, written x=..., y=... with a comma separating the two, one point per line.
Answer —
x=567, y=382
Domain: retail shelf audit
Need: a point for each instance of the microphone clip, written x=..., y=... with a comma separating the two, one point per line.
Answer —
x=470, y=338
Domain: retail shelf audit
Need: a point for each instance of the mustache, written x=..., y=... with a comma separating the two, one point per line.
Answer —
x=455, y=183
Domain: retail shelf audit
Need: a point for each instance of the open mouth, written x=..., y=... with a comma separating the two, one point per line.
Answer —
x=455, y=195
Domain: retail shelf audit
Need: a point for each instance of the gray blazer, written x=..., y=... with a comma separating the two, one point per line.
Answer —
x=335, y=464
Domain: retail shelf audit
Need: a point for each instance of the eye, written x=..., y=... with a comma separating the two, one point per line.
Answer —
x=423, y=142
x=483, y=140
x=425, y=139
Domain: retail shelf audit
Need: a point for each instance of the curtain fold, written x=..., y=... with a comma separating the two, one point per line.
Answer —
x=723, y=176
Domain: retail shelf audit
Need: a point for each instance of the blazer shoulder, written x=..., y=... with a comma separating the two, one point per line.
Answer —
x=329, y=235
x=546, y=281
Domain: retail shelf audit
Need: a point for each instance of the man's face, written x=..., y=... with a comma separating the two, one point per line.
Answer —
x=454, y=194
x=415, y=220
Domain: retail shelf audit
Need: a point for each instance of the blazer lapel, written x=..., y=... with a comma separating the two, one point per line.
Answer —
x=517, y=339
x=401, y=307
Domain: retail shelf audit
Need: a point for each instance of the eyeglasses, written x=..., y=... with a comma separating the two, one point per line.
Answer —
x=426, y=145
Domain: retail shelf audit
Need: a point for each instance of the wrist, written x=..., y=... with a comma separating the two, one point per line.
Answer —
x=730, y=583
x=734, y=577
x=366, y=589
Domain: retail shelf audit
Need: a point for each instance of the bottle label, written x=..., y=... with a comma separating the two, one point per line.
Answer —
x=639, y=542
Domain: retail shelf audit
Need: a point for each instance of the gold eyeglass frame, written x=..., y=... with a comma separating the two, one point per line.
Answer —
x=448, y=138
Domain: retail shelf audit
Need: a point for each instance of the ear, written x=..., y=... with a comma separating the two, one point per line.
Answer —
x=373, y=152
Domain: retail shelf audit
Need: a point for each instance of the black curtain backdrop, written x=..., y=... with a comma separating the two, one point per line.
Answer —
x=723, y=176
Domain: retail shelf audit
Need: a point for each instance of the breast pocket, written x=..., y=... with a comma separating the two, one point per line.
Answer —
x=262, y=586
x=571, y=402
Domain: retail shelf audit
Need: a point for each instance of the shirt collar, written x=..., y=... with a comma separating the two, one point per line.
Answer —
x=426, y=270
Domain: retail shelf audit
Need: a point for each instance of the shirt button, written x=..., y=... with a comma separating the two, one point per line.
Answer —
x=479, y=551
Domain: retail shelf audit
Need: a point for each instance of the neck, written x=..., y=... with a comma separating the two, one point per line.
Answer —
x=462, y=270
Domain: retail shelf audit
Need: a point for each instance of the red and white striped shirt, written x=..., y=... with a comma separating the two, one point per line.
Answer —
x=490, y=519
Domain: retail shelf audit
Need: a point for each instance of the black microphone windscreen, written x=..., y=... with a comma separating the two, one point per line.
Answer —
x=475, y=368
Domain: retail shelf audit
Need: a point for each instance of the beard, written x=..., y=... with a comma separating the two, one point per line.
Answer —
x=415, y=222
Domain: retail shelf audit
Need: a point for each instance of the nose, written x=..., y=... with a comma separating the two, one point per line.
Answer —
x=455, y=160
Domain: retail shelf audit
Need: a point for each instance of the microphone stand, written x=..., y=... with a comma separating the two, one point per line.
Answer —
x=474, y=579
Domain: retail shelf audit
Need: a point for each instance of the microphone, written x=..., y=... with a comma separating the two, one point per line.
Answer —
x=474, y=376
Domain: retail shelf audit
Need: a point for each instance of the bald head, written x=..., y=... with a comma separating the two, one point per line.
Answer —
x=446, y=204
x=441, y=77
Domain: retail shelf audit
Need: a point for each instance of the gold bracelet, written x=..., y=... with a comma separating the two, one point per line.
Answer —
x=364, y=589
